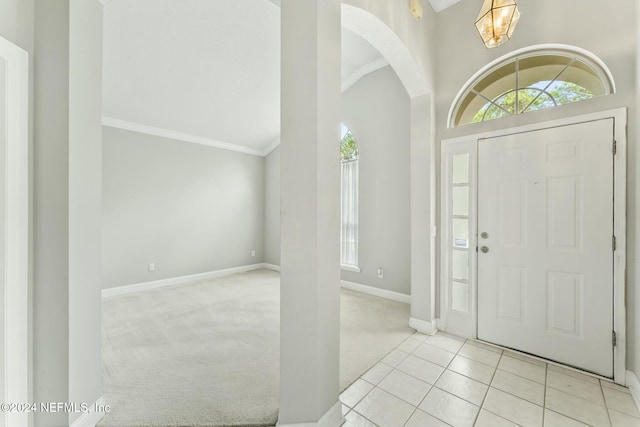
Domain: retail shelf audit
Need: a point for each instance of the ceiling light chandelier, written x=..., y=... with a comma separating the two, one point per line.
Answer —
x=496, y=21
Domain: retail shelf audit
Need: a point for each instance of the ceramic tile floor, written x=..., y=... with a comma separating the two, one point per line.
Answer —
x=448, y=381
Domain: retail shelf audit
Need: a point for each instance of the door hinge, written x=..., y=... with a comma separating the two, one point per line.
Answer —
x=614, y=339
x=615, y=147
x=613, y=242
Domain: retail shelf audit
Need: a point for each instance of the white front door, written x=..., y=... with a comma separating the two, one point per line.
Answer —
x=545, y=255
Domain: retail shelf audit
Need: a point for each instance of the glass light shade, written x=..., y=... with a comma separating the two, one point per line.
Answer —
x=496, y=21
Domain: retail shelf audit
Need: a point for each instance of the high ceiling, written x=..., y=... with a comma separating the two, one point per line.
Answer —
x=204, y=70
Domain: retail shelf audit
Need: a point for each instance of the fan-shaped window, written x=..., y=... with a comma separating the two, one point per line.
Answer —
x=349, y=200
x=532, y=80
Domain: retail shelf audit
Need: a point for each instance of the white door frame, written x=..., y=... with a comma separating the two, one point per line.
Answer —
x=620, y=187
x=16, y=208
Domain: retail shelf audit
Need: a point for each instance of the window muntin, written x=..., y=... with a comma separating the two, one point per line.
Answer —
x=529, y=82
x=349, y=177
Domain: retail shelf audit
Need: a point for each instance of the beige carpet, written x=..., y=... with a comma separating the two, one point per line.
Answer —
x=207, y=354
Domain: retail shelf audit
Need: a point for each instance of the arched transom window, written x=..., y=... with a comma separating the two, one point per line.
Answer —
x=533, y=80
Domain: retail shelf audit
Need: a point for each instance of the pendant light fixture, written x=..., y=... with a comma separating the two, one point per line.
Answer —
x=496, y=21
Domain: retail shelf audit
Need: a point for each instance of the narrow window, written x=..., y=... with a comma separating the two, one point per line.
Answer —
x=349, y=156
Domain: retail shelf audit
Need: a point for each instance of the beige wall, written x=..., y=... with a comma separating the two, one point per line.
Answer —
x=186, y=207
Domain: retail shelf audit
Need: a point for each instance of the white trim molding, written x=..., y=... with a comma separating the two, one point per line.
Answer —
x=93, y=417
x=332, y=418
x=377, y=292
x=372, y=66
x=180, y=280
x=422, y=326
x=634, y=387
x=15, y=284
x=271, y=266
x=353, y=268
x=166, y=133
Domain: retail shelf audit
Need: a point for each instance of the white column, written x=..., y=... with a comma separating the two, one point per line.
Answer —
x=423, y=301
x=310, y=213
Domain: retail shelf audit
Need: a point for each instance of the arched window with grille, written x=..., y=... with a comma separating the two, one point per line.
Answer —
x=349, y=156
x=531, y=79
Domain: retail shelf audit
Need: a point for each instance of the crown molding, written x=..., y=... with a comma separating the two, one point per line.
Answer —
x=165, y=133
x=271, y=147
x=372, y=66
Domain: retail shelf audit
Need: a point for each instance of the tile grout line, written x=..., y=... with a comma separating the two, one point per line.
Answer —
x=488, y=389
x=604, y=398
x=544, y=397
x=434, y=383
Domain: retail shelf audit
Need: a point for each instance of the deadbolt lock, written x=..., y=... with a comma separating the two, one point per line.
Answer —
x=484, y=235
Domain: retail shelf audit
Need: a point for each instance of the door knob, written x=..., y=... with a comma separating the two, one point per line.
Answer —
x=484, y=249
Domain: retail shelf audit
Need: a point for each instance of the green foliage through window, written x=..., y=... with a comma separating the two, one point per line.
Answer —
x=544, y=94
x=348, y=148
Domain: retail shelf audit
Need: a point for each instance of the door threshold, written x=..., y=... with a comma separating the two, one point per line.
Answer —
x=542, y=359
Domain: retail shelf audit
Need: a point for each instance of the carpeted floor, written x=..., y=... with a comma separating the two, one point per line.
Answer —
x=207, y=354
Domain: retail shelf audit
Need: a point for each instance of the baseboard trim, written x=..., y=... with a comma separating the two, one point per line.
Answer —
x=382, y=293
x=429, y=328
x=332, y=418
x=271, y=266
x=181, y=280
x=634, y=387
x=91, y=418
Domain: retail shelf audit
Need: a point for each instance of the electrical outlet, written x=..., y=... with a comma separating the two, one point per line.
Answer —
x=152, y=266
x=253, y=252
x=380, y=273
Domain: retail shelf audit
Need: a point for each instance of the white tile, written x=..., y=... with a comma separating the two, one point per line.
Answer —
x=525, y=358
x=576, y=386
x=618, y=419
x=573, y=373
x=410, y=344
x=487, y=419
x=518, y=386
x=449, y=408
x=472, y=369
x=576, y=408
x=377, y=373
x=345, y=409
x=522, y=369
x=421, y=369
x=463, y=387
x=420, y=336
x=422, y=419
x=394, y=358
x=513, y=408
x=353, y=419
x=481, y=355
x=434, y=354
x=384, y=409
x=484, y=345
x=609, y=384
x=355, y=392
x=446, y=342
x=553, y=419
x=406, y=387
x=621, y=402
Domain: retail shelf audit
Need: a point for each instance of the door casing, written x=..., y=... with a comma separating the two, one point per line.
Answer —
x=468, y=327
